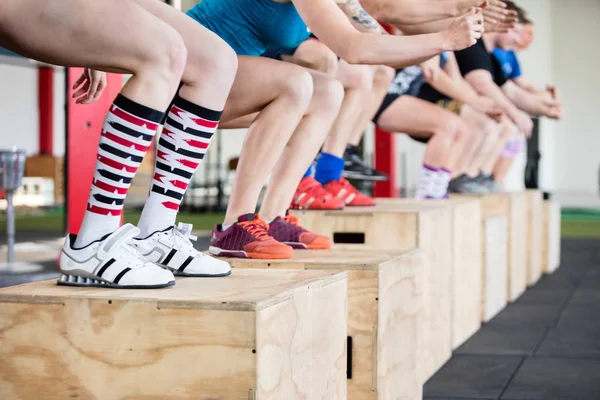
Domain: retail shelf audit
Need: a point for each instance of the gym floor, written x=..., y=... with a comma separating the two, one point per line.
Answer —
x=545, y=346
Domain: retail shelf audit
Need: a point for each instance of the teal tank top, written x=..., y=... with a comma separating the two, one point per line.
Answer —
x=251, y=27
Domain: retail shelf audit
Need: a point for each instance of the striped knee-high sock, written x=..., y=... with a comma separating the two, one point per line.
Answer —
x=184, y=140
x=126, y=135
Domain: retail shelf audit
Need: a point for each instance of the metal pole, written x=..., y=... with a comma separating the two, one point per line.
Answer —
x=10, y=228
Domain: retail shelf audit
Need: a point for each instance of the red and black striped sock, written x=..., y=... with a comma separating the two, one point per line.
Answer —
x=183, y=142
x=126, y=136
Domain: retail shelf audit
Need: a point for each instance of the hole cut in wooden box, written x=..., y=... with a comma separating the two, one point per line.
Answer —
x=254, y=335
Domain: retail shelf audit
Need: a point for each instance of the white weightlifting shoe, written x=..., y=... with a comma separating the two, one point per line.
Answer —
x=173, y=250
x=112, y=262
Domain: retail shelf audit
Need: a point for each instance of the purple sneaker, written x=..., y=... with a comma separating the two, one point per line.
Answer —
x=287, y=230
x=248, y=238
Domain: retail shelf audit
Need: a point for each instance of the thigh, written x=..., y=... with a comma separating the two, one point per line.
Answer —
x=259, y=81
x=111, y=35
x=415, y=117
x=202, y=44
x=314, y=54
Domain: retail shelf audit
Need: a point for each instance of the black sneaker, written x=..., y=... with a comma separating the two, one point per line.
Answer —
x=356, y=168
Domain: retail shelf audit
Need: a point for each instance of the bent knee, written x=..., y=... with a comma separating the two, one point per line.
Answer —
x=384, y=75
x=166, y=58
x=299, y=86
x=328, y=94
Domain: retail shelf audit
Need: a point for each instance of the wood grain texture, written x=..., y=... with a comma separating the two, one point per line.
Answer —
x=495, y=266
x=517, y=245
x=400, y=326
x=435, y=238
x=551, y=236
x=467, y=271
x=385, y=296
x=301, y=345
x=466, y=257
x=534, y=235
x=177, y=343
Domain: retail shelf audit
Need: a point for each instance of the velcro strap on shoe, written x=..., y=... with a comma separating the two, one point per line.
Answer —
x=118, y=238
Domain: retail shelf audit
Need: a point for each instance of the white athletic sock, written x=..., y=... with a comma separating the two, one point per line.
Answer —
x=426, y=182
x=440, y=184
x=126, y=135
x=183, y=142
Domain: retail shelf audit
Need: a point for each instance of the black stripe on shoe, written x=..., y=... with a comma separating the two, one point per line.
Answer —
x=186, y=263
x=105, y=267
x=169, y=257
x=118, y=278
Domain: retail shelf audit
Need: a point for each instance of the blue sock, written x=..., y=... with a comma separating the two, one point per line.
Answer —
x=308, y=172
x=329, y=168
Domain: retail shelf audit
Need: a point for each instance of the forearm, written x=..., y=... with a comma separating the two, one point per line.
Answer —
x=524, y=100
x=491, y=90
x=444, y=84
x=394, y=51
x=411, y=12
x=523, y=83
x=426, y=27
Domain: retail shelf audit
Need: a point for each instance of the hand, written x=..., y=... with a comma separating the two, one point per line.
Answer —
x=553, y=90
x=523, y=122
x=499, y=17
x=548, y=99
x=465, y=30
x=487, y=106
x=431, y=69
x=554, y=112
x=90, y=86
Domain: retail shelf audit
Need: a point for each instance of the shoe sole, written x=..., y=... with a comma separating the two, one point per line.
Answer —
x=361, y=177
x=215, y=251
x=183, y=274
x=79, y=281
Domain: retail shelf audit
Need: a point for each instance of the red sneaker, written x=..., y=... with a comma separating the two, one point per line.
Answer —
x=343, y=190
x=288, y=231
x=248, y=238
x=311, y=195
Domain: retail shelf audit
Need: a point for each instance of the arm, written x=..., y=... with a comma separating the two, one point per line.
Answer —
x=332, y=27
x=443, y=83
x=529, y=102
x=481, y=80
x=360, y=19
x=409, y=12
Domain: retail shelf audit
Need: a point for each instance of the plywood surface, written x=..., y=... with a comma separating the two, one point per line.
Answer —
x=534, y=235
x=517, y=245
x=495, y=267
x=301, y=345
x=551, y=236
x=243, y=290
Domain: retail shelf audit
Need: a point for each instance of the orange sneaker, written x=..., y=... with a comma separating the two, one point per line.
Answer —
x=287, y=230
x=311, y=195
x=344, y=190
x=248, y=238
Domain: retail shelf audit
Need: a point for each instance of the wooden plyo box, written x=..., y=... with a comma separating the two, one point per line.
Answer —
x=385, y=296
x=378, y=228
x=254, y=335
x=535, y=225
x=467, y=271
x=513, y=206
x=551, y=236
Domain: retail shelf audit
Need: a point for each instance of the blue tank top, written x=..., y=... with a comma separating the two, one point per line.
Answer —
x=251, y=27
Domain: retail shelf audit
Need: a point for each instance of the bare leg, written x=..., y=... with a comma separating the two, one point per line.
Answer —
x=419, y=118
x=357, y=81
x=101, y=35
x=382, y=78
x=303, y=146
x=507, y=131
x=504, y=164
x=481, y=128
x=280, y=93
x=211, y=63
